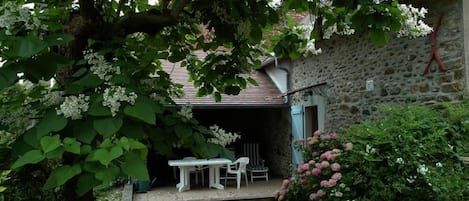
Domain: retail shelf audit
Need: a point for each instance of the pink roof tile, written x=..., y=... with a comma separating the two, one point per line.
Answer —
x=266, y=94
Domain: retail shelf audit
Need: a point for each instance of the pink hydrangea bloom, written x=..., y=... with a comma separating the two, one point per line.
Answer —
x=324, y=164
x=324, y=183
x=333, y=135
x=304, y=166
x=313, y=196
x=328, y=155
x=317, y=133
x=304, y=181
x=320, y=193
x=285, y=182
x=331, y=183
x=312, y=162
x=315, y=153
x=316, y=171
x=308, y=173
x=335, y=167
x=337, y=176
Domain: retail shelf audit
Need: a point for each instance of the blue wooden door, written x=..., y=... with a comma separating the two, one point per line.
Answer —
x=297, y=119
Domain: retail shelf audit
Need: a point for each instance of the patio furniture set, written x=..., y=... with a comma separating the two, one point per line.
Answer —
x=250, y=163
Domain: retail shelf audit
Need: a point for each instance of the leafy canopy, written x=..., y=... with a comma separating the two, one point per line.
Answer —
x=82, y=83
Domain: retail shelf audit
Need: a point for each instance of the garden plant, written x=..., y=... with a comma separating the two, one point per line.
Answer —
x=410, y=153
x=84, y=95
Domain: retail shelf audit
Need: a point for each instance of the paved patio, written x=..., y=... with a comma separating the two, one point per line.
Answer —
x=257, y=190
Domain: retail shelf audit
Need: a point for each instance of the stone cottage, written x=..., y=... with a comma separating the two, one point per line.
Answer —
x=344, y=83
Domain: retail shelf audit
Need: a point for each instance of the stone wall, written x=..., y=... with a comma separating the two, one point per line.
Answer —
x=278, y=140
x=396, y=70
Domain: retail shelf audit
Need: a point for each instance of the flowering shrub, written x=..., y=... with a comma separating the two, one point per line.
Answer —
x=413, y=153
x=320, y=176
x=222, y=137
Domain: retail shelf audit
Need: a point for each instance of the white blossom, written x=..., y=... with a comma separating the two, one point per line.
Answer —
x=275, y=4
x=99, y=65
x=422, y=169
x=399, y=160
x=114, y=95
x=73, y=106
x=186, y=111
x=19, y=119
x=222, y=137
x=412, y=25
x=51, y=98
x=411, y=179
x=438, y=165
x=13, y=15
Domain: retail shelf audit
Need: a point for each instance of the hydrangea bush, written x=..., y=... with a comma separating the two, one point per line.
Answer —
x=412, y=153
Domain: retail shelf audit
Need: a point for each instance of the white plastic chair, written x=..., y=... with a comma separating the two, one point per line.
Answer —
x=238, y=167
x=197, y=170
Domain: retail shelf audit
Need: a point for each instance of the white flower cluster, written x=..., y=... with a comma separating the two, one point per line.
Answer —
x=422, y=170
x=73, y=106
x=186, y=111
x=412, y=25
x=116, y=94
x=304, y=33
x=13, y=15
x=346, y=30
x=399, y=161
x=275, y=4
x=222, y=137
x=51, y=98
x=99, y=65
x=19, y=119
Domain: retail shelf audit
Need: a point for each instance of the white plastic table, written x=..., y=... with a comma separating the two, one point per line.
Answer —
x=213, y=164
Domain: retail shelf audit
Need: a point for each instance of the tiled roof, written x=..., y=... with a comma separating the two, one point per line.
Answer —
x=266, y=94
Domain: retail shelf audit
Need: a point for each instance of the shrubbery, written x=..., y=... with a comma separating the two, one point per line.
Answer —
x=412, y=153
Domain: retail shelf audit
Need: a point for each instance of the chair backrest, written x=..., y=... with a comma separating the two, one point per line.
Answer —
x=251, y=150
x=242, y=163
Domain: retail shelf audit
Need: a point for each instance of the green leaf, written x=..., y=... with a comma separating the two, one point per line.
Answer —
x=30, y=157
x=86, y=182
x=104, y=156
x=28, y=46
x=97, y=108
x=60, y=175
x=378, y=37
x=43, y=67
x=80, y=72
x=108, y=126
x=107, y=175
x=72, y=145
x=85, y=132
x=30, y=138
x=56, y=153
x=135, y=166
x=140, y=110
x=49, y=143
x=132, y=130
x=183, y=131
x=90, y=80
x=232, y=90
x=51, y=123
x=7, y=76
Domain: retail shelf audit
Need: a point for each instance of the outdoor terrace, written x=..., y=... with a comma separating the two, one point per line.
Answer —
x=258, y=190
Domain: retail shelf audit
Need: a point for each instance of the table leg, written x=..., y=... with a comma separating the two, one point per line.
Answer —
x=214, y=177
x=184, y=179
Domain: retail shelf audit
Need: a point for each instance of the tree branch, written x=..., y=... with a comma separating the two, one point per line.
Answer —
x=87, y=9
x=148, y=22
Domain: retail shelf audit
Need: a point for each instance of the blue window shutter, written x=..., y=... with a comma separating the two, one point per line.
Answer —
x=297, y=119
